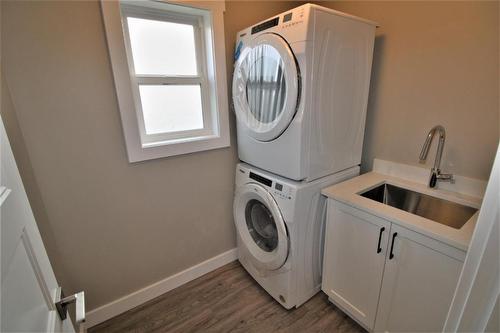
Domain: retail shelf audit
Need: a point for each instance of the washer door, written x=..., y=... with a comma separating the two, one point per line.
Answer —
x=261, y=226
x=266, y=87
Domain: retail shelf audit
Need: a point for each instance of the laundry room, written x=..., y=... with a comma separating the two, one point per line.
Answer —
x=249, y=166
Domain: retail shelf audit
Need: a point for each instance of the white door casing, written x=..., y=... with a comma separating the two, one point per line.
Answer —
x=475, y=305
x=261, y=226
x=266, y=83
x=29, y=288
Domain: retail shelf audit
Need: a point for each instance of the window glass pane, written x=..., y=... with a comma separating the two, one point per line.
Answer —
x=162, y=48
x=171, y=108
x=266, y=85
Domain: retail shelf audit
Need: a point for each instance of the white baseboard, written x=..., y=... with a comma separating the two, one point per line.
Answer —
x=143, y=295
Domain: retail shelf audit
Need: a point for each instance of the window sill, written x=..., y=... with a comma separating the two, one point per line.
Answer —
x=176, y=147
x=179, y=141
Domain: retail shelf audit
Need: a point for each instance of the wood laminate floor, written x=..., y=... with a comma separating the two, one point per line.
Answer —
x=228, y=300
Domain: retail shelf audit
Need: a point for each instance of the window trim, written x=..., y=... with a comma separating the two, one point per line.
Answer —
x=207, y=18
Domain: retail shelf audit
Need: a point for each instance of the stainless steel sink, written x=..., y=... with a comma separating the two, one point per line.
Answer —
x=439, y=210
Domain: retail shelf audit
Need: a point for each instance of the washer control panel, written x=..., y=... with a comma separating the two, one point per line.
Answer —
x=278, y=189
x=282, y=191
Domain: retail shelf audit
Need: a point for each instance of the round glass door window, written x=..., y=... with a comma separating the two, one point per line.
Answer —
x=261, y=225
x=266, y=84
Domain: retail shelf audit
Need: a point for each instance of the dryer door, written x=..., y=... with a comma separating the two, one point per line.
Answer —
x=261, y=226
x=266, y=85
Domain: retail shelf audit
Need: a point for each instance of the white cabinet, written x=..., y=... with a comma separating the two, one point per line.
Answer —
x=419, y=282
x=354, y=260
x=410, y=290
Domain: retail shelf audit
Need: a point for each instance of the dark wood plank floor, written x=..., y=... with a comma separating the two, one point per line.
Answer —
x=228, y=300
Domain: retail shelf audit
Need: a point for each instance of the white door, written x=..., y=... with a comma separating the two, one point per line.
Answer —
x=476, y=304
x=28, y=286
x=261, y=226
x=355, y=251
x=419, y=281
x=266, y=84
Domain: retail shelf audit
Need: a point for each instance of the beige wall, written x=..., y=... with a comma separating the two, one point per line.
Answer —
x=18, y=145
x=434, y=63
x=111, y=227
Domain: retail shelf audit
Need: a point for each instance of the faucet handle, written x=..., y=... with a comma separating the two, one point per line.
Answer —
x=447, y=177
x=436, y=176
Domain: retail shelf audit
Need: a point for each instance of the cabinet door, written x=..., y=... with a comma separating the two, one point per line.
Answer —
x=354, y=260
x=419, y=282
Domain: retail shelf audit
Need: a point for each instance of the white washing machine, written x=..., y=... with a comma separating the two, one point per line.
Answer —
x=300, y=91
x=280, y=226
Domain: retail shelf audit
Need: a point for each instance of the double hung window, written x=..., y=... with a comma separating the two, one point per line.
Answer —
x=177, y=100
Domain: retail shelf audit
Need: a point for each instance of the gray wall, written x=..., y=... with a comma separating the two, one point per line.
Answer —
x=111, y=227
x=117, y=226
x=434, y=63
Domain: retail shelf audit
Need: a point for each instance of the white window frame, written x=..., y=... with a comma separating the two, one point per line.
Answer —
x=207, y=21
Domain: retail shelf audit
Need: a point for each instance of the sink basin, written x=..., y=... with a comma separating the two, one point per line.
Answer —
x=439, y=210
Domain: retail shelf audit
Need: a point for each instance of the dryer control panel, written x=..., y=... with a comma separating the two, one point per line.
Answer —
x=265, y=25
x=293, y=18
x=289, y=19
x=295, y=25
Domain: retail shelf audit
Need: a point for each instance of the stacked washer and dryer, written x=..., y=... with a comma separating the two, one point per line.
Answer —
x=300, y=91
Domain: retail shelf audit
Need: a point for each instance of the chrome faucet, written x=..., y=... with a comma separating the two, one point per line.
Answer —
x=436, y=174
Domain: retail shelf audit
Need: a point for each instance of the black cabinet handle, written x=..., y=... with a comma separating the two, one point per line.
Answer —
x=379, y=249
x=391, y=255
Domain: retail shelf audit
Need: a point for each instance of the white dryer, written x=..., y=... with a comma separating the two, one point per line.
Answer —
x=300, y=91
x=280, y=226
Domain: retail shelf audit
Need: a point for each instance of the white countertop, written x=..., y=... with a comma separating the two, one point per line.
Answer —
x=347, y=193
